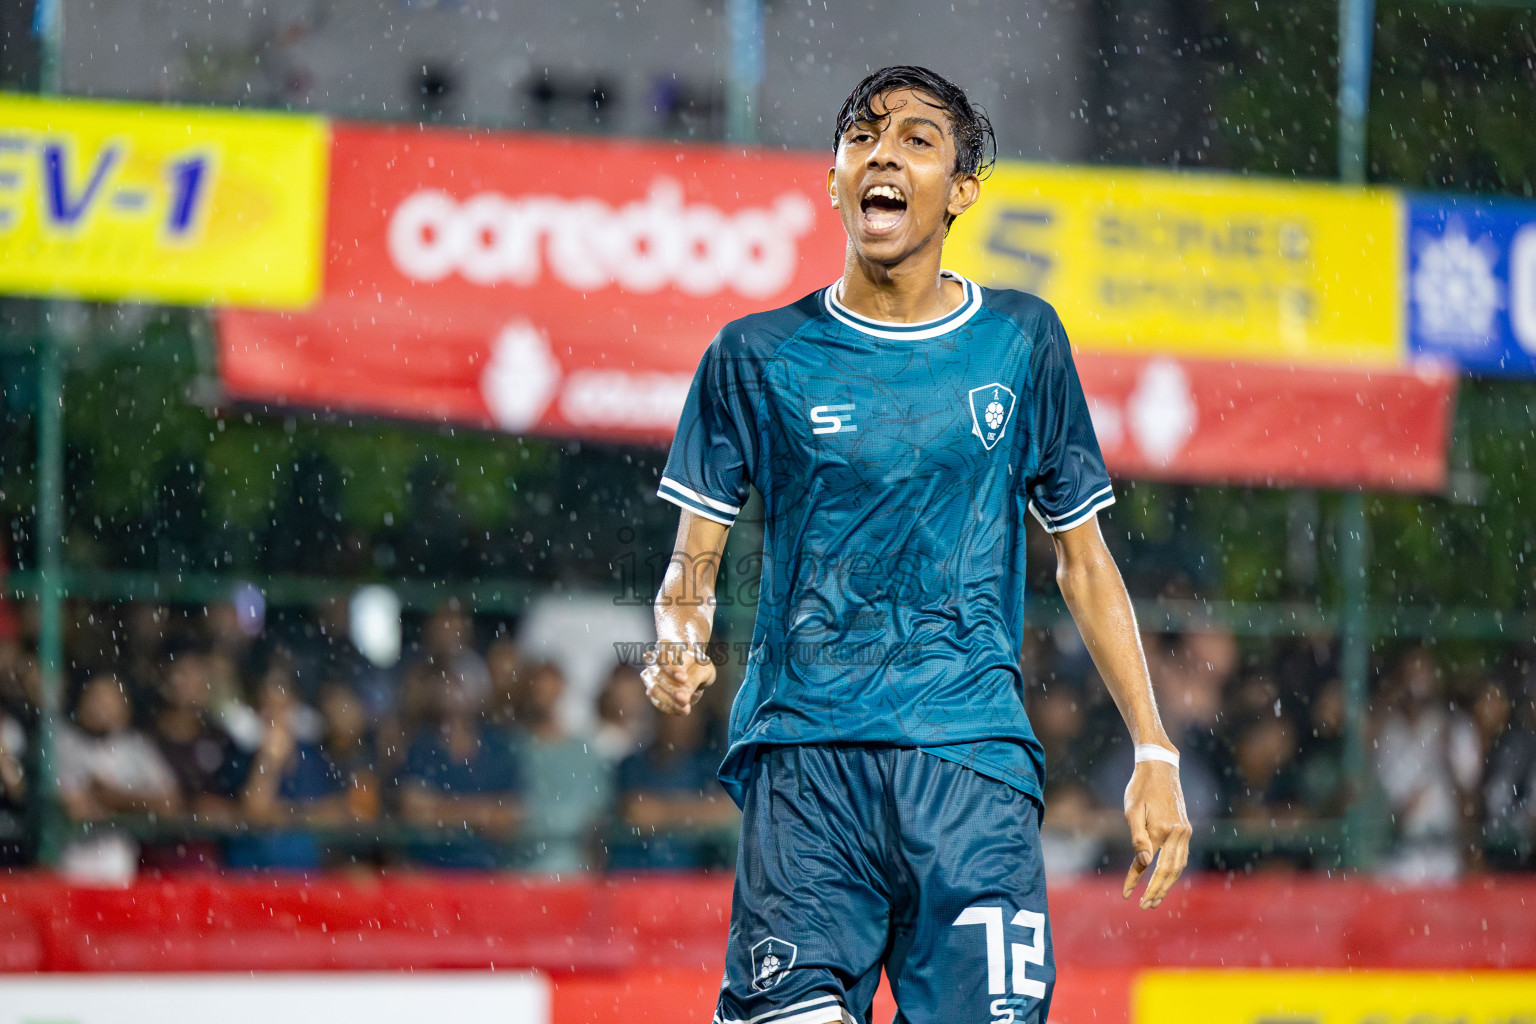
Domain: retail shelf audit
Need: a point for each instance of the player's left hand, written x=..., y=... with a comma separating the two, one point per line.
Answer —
x=676, y=676
x=1154, y=808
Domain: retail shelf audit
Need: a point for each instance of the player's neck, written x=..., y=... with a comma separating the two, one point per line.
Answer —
x=908, y=292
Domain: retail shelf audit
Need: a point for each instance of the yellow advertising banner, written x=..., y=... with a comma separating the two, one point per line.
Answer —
x=167, y=204
x=1335, y=997
x=1200, y=265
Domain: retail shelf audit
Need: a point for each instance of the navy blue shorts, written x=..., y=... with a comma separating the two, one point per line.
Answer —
x=855, y=858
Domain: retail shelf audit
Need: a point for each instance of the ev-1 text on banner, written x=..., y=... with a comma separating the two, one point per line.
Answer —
x=167, y=204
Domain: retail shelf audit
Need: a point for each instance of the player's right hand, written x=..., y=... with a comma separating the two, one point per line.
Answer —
x=1154, y=809
x=676, y=676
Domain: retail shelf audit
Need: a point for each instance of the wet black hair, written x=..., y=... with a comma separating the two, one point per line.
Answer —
x=975, y=144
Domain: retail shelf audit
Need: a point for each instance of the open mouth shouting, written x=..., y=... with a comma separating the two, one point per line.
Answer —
x=883, y=207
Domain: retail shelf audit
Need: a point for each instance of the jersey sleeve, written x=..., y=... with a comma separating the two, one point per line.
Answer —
x=1070, y=482
x=709, y=467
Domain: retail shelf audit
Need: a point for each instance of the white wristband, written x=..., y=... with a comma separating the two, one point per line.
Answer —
x=1153, y=752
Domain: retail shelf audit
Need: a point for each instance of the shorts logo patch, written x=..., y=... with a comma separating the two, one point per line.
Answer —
x=770, y=959
x=991, y=409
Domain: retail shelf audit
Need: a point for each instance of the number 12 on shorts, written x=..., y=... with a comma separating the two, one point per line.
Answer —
x=1024, y=954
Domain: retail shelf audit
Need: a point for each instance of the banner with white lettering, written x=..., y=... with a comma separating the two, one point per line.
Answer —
x=534, y=282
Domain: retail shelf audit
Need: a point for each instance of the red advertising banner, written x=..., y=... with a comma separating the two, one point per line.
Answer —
x=567, y=287
x=651, y=950
x=535, y=283
x=1155, y=418
x=1190, y=420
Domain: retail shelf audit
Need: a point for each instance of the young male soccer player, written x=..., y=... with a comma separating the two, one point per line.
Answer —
x=898, y=424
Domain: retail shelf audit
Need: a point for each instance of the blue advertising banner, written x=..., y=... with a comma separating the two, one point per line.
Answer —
x=1472, y=282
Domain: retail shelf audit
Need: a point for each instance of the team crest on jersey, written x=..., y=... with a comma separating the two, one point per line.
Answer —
x=991, y=409
x=771, y=958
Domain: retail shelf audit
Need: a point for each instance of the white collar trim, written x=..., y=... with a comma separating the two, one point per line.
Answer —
x=894, y=331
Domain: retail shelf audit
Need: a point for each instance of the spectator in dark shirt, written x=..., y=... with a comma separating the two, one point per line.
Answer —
x=446, y=640
x=337, y=655
x=504, y=661
x=209, y=766
x=292, y=784
x=1058, y=715
x=418, y=708
x=20, y=684
x=349, y=744
x=670, y=798
x=231, y=636
x=144, y=636
x=461, y=776
x=1190, y=678
x=1321, y=783
x=1262, y=787
x=1509, y=787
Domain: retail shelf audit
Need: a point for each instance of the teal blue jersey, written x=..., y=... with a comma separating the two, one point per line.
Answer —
x=896, y=464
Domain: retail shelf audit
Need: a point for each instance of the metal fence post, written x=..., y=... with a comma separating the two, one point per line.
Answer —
x=1354, y=670
x=50, y=570
x=1357, y=26
x=46, y=814
x=745, y=76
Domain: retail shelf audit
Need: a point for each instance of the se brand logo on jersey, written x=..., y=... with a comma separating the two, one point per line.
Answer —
x=770, y=959
x=834, y=419
x=991, y=409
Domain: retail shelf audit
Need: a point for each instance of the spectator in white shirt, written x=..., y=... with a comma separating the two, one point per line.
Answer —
x=107, y=767
x=1429, y=760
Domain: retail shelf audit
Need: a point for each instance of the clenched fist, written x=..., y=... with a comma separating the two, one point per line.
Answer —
x=676, y=675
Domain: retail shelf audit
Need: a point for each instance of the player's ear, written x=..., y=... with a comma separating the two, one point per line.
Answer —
x=963, y=194
x=832, y=185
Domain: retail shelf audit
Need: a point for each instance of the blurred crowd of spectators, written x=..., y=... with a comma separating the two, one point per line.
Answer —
x=192, y=741
x=1447, y=759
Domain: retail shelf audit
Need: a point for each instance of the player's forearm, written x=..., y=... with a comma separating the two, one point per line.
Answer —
x=1097, y=598
x=685, y=605
x=685, y=612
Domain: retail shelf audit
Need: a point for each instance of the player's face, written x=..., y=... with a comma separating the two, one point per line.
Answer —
x=894, y=181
